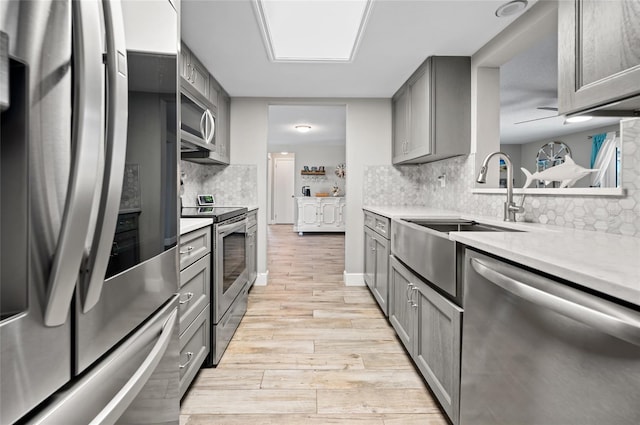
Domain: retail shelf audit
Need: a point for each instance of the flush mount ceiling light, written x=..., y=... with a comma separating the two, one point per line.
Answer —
x=511, y=8
x=303, y=128
x=579, y=118
x=312, y=30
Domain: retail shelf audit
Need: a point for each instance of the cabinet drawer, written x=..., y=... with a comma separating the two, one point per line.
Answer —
x=194, y=290
x=194, y=245
x=194, y=347
x=380, y=224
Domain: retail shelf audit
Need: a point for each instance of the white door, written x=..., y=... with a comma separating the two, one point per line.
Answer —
x=283, y=190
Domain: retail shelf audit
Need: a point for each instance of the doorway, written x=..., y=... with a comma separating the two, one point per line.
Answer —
x=283, y=187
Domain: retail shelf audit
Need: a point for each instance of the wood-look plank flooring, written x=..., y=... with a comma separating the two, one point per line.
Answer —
x=310, y=351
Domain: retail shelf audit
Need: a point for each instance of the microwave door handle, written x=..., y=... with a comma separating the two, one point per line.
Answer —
x=116, y=149
x=87, y=130
x=225, y=229
x=212, y=126
x=203, y=125
x=123, y=399
x=597, y=314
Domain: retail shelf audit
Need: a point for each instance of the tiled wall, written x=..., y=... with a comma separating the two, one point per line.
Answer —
x=230, y=185
x=418, y=185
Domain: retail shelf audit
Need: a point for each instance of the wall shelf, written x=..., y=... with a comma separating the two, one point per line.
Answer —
x=312, y=173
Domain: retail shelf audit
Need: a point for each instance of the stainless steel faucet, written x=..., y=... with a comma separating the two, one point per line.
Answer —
x=510, y=207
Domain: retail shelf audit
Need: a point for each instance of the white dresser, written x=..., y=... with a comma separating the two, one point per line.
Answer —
x=319, y=214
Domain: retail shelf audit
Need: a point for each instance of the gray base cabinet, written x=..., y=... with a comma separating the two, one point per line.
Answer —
x=429, y=326
x=195, y=287
x=432, y=111
x=376, y=258
x=598, y=55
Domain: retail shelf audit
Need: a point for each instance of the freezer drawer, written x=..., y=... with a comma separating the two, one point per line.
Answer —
x=194, y=348
x=135, y=384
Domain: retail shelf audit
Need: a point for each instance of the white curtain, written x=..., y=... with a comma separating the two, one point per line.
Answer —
x=606, y=162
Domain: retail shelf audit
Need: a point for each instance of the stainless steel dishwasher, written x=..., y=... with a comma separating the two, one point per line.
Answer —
x=540, y=351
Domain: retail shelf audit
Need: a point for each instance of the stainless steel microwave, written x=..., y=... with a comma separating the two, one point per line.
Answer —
x=197, y=122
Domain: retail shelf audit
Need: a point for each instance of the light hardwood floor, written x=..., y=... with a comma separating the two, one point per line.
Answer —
x=310, y=351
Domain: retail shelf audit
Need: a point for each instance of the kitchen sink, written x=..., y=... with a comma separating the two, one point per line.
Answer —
x=424, y=246
x=460, y=226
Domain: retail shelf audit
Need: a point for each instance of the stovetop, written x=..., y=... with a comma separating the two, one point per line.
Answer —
x=218, y=214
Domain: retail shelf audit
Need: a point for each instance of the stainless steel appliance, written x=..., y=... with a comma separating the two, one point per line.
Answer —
x=230, y=274
x=540, y=351
x=198, y=122
x=424, y=246
x=88, y=141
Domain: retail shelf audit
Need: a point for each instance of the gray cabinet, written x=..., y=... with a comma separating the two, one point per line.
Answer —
x=223, y=139
x=432, y=111
x=376, y=258
x=429, y=326
x=437, y=346
x=194, y=72
x=195, y=286
x=252, y=246
x=598, y=55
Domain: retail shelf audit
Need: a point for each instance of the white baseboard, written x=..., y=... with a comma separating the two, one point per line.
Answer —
x=353, y=279
x=262, y=279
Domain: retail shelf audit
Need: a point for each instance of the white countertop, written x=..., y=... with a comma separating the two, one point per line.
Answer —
x=600, y=261
x=190, y=224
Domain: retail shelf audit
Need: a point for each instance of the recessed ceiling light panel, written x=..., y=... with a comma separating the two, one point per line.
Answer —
x=312, y=30
x=511, y=8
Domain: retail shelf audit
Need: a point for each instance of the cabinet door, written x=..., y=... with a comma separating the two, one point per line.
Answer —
x=381, y=280
x=599, y=59
x=437, y=346
x=400, y=122
x=369, y=258
x=198, y=75
x=420, y=114
x=329, y=213
x=184, y=65
x=308, y=213
x=401, y=308
x=214, y=92
x=223, y=124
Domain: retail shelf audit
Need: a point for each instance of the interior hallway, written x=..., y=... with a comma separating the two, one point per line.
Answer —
x=310, y=351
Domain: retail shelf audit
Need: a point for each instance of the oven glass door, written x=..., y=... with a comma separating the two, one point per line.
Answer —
x=231, y=264
x=234, y=257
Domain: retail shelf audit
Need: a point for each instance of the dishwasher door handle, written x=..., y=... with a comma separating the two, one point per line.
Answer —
x=599, y=314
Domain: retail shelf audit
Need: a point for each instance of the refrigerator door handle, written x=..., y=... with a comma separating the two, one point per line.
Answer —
x=116, y=407
x=87, y=129
x=587, y=309
x=4, y=71
x=116, y=149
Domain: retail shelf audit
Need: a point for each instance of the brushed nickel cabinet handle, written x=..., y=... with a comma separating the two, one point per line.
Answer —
x=189, y=358
x=188, y=250
x=189, y=297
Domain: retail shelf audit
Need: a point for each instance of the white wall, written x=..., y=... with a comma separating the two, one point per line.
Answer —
x=315, y=155
x=368, y=142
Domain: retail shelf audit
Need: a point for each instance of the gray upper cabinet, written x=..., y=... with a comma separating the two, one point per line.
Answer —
x=214, y=91
x=598, y=54
x=432, y=111
x=194, y=72
x=223, y=139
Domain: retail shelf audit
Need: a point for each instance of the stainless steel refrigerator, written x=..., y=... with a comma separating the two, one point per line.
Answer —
x=88, y=178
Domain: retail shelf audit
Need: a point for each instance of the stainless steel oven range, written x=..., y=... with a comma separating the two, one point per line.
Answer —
x=229, y=275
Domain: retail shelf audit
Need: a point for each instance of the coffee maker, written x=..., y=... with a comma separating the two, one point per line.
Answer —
x=306, y=190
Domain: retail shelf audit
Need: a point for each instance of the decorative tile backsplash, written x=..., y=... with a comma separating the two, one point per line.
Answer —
x=229, y=184
x=413, y=185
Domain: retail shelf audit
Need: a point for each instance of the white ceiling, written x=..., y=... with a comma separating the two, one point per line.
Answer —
x=328, y=125
x=399, y=35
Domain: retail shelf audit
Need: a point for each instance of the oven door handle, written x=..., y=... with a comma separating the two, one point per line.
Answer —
x=587, y=309
x=225, y=229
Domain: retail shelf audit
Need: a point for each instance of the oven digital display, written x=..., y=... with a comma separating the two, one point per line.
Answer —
x=206, y=200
